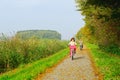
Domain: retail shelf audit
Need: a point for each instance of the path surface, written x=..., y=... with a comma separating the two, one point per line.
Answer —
x=78, y=69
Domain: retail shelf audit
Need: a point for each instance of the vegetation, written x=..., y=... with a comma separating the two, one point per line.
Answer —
x=109, y=64
x=39, y=34
x=31, y=70
x=102, y=30
x=14, y=52
x=102, y=23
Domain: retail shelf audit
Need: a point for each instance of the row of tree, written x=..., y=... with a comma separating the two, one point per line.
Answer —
x=39, y=34
x=102, y=18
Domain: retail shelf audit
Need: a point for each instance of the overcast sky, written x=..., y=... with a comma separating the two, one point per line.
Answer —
x=59, y=15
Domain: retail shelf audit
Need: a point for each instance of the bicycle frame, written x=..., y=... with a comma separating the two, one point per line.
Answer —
x=81, y=47
x=72, y=51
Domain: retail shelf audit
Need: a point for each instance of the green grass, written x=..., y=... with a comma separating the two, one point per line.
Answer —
x=109, y=64
x=30, y=71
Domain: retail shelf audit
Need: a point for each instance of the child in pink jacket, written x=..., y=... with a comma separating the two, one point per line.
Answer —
x=72, y=44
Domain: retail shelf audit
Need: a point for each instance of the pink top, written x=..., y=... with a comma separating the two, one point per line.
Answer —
x=72, y=47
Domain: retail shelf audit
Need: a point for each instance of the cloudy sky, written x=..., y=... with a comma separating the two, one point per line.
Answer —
x=59, y=15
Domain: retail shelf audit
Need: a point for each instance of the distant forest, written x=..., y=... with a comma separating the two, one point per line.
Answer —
x=39, y=34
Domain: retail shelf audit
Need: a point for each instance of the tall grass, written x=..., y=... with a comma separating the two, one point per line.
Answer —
x=31, y=70
x=15, y=51
x=109, y=64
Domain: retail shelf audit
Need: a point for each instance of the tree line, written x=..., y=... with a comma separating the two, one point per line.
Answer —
x=39, y=34
x=102, y=23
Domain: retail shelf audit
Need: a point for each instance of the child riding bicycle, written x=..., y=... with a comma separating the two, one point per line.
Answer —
x=72, y=44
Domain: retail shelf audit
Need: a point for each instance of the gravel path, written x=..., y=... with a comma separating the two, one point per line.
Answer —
x=78, y=69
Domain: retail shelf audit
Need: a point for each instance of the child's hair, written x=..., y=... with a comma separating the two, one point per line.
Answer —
x=72, y=39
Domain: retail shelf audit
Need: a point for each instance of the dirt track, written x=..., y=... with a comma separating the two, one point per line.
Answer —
x=81, y=68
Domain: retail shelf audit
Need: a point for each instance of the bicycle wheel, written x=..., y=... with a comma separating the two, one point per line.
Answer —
x=72, y=54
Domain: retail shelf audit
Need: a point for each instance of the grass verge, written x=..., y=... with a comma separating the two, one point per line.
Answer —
x=30, y=71
x=108, y=64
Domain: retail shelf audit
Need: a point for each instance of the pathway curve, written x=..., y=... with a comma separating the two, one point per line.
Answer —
x=81, y=68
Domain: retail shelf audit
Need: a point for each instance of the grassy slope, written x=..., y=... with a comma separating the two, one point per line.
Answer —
x=109, y=64
x=30, y=71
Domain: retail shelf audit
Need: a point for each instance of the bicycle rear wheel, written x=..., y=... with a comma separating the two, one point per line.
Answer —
x=72, y=54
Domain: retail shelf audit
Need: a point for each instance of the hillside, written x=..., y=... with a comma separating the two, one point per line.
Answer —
x=39, y=34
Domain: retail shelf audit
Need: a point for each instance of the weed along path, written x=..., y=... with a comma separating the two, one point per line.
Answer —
x=81, y=68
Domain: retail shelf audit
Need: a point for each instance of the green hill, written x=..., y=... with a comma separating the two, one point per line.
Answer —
x=39, y=34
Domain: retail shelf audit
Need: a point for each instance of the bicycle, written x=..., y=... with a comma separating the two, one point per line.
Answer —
x=72, y=52
x=81, y=47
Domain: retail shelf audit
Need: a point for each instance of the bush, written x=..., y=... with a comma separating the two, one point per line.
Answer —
x=112, y=48
x=15, y=51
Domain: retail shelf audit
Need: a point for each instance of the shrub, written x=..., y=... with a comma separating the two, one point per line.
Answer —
x=15, y=51
x=112, y=48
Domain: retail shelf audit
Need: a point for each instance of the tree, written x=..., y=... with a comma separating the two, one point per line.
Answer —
x=102, y=19
x=39, y=34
